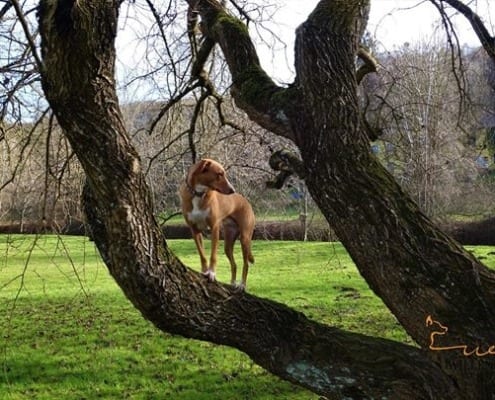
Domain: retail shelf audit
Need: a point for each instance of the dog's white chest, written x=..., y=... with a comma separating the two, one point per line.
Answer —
x=198, y=216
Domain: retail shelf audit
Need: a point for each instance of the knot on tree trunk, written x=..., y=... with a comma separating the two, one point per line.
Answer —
x=288, y=164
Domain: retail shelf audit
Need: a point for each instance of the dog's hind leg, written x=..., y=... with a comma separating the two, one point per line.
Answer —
x=230, y=233
x=247, y=257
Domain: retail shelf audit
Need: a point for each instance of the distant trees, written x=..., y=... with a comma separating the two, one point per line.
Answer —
x=427, y=138
x=428, y=103
x=40, y=177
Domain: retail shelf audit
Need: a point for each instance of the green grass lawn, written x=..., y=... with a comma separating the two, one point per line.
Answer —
x=67, y=332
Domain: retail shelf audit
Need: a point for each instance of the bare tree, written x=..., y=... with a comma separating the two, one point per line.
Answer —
x=424, y=277
x=424, y=122
x=40, y=176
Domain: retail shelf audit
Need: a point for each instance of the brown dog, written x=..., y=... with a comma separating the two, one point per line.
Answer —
x=209, y=201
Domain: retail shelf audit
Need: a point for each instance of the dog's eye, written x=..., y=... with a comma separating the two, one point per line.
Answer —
x=220, y=175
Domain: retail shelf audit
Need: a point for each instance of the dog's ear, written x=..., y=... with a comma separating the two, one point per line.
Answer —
x=205, y=164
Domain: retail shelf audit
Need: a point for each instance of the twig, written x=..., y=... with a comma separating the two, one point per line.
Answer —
x=487, y=41
x=29, y=37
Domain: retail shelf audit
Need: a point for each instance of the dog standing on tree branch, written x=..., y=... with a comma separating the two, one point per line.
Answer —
x=209, y=202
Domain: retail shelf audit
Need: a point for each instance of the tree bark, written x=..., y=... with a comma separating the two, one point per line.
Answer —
x=415, y=268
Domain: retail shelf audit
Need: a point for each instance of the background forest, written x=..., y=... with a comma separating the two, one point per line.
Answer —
x=425, y=110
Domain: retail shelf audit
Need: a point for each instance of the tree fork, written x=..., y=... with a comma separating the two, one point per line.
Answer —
x=408, y=262
x=78, y=55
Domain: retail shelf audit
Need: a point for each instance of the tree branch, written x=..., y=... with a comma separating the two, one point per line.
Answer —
x=456, y=57
x=287, y=163
x=6, y=7
x=326, y=360
x=403, y=256
x=29, y=36
x=487, y=41
x=253, y=90
x=241, y=12
x=171, y=103
x=161, y=28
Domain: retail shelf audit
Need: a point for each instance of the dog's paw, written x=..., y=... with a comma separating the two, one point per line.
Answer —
x=239, y=286
x=210, y=274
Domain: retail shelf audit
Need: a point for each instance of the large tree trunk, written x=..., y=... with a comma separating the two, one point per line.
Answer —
x=416, y=269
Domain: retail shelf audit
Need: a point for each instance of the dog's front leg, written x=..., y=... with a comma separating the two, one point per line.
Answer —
x=215, y=238
x=198, y=240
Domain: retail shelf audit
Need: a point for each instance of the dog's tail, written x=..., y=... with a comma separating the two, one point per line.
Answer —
x=250, y=257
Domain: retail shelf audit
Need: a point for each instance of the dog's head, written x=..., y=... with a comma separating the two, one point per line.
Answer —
x=209, y=174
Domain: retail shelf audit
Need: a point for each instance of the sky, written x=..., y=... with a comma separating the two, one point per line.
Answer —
x=399, y=21
x=391, y=22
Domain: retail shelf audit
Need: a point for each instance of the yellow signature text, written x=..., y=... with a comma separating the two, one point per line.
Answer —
x=441, y=330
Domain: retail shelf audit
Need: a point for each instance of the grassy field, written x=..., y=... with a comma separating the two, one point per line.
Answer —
x=67, y=332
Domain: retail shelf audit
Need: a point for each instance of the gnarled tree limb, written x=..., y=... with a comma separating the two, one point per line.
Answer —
x=252, y=88
x=408, y=262
x=413, y=266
